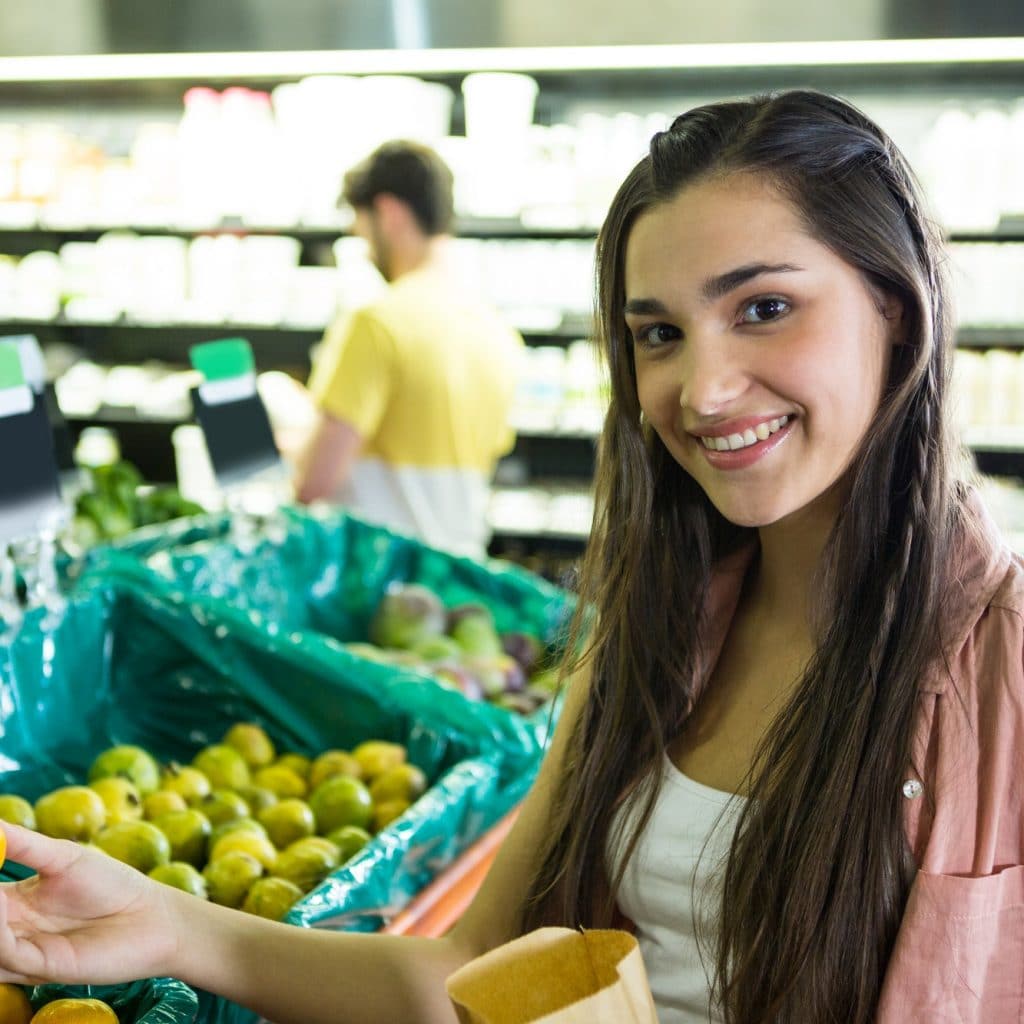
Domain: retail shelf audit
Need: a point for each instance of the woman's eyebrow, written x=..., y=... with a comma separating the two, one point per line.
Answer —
x=713, y=288
x=644, y=307
x=721, y=284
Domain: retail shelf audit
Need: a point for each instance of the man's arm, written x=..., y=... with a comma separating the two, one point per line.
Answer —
x=326, y=462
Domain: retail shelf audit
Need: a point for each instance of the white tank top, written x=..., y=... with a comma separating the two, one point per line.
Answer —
x=674, y=872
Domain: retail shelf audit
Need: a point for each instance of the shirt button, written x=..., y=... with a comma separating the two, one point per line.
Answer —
x=912, y=789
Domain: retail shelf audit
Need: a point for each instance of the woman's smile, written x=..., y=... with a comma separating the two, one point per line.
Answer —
x=744, y=446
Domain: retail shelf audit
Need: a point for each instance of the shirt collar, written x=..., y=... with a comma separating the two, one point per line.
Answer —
x=980, y=560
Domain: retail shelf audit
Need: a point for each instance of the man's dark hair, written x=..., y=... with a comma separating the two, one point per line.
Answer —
x=411, y=172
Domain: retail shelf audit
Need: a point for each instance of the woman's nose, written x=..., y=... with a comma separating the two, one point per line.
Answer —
x=711, y=377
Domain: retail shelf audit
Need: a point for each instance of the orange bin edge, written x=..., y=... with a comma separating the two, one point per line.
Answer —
x=436, y=909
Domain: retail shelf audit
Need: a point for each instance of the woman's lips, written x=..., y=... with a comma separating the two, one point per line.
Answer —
x=741, y=458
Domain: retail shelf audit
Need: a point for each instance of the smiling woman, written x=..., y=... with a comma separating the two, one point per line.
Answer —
x=778, y=521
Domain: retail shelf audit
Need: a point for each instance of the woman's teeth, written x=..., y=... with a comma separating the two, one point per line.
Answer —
x=734, y=442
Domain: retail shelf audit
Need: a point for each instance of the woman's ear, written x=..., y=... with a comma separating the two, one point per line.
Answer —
x=891, y=309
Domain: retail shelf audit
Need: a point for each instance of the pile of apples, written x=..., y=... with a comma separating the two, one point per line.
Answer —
x=460, y=647
x=241, y=825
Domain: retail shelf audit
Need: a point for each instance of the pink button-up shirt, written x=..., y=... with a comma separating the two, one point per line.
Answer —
x=959, y=954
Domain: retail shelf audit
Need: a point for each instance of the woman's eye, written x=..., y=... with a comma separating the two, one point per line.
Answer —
x=761, y=311
x=657, y=334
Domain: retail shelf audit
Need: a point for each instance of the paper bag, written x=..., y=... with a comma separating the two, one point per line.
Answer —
x=556, y=976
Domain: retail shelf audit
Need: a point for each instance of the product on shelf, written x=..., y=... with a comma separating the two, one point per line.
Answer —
x=256, y=280
x=254, y=831
x=986, y=280
x=118, y=502
x=560, y=510
x=988, y=390
x=460, y=647
x=275, y=159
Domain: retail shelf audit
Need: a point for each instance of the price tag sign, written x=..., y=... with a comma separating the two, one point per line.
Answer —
x=33, y=369
x=29, y=490
x=63, y=446
x=231, y=413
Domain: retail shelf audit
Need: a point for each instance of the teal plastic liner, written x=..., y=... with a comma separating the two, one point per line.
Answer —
x=153, y=1001
x=324, y=572
x=131, y=663
x=381, y=879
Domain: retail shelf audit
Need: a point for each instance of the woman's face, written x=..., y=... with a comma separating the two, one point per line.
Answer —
x=761, y=356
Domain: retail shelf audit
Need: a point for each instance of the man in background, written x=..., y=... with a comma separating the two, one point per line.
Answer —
x=413, y=390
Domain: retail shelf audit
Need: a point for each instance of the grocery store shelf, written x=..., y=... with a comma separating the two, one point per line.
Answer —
x=1007, y=234
x=553, y=509
x=568, y=536
x=537, y=59
x=115, y=414
x=18, y=222
x=21, y=219
x=558, y=329
x=990, y=337
x=671, y=59
x=562, y=433
x=1005, y=440
x=121, y=415
x=1009, y=229
x=125, y=323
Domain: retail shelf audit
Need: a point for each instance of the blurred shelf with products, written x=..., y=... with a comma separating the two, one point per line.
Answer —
x=183, y=197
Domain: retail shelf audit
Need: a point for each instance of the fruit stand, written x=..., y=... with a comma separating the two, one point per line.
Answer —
x=148, y=678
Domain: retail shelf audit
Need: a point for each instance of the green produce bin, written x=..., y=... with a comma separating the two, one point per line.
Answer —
x=133, y=664
x=325, y=572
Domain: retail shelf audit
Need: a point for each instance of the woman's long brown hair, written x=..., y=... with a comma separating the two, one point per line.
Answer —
x=819, y=869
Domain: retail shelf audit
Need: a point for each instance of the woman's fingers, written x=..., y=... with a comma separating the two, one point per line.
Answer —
x=39, y=852
x=20, y=960
x=83, y=916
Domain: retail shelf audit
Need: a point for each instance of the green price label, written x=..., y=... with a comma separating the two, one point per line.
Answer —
x=224, y=359
x=11, y=375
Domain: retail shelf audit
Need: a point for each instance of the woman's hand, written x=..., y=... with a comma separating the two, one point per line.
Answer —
x=84, y=918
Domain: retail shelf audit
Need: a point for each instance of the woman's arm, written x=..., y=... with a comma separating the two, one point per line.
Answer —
x=493, y=916
x=307, y=976
x=87, y=918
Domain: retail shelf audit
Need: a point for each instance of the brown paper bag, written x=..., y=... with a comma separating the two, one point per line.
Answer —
x=556, y=976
